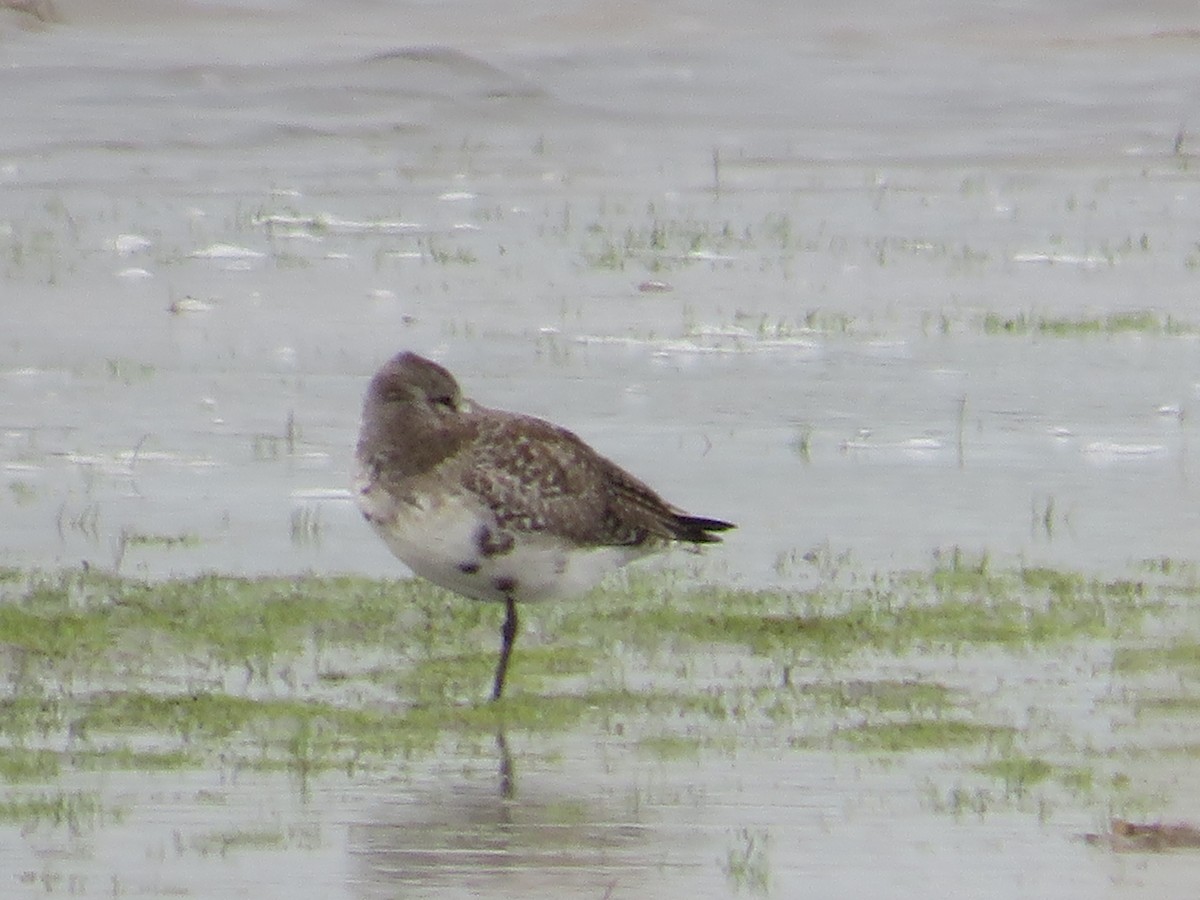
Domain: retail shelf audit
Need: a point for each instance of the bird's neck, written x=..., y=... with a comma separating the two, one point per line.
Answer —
x=412, y=442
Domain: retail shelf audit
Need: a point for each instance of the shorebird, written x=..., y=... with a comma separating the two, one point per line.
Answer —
x=499, y=506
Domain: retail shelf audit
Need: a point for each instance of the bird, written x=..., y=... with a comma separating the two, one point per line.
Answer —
x=499, y=506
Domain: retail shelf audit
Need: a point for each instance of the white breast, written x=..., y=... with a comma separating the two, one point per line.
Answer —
x=438, y=538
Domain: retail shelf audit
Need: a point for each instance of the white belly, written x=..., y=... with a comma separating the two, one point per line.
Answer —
x=439, y=540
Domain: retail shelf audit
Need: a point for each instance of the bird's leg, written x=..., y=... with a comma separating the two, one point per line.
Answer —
x=508, y=777
x=507, y=634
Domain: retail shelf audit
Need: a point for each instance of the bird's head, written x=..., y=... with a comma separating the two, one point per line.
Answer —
x=408, y=384
x=414, y=415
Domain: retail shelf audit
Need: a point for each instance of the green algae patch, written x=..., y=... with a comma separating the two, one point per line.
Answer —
x=947, y=607
x=305, y=674
x=670, y=747
x=196, y=715
x=126, y=758
x=222, y=843
x=1183, y=654
x=19, y=764
x=884, y=696
x=74, y=810
x=1018, y=773
x=1138, y=321
x=924, y=734
x=45, y=626
x=1181, y=704
x=164, y=541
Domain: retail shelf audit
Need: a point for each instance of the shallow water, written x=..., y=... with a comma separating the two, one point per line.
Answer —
x=217, y=220
x=752, y=824
x=309, y=200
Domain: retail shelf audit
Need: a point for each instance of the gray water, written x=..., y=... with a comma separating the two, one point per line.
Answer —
x=312, y=187
x=217, y=219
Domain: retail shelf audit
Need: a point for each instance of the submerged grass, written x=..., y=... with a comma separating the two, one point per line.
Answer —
x=1019, y=773
x=75, y=810
x=308, y=674
x=925, y=734
x=1128, y=322
x=1182, y=654
x=948, y=607
x=20, y=764
x=916, y=697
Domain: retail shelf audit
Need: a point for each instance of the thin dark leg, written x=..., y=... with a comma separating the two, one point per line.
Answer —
x=507, y=635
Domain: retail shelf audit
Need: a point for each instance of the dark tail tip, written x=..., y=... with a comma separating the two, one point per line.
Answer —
x=699, y=530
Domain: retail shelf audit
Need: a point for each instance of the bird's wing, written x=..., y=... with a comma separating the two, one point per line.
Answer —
x=536, y=477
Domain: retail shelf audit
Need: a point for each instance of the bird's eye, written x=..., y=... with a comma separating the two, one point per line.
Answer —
x=445, y=400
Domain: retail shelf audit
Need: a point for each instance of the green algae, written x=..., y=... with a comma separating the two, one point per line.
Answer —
x=73, y=810
x=1183, y=654
x=670, y=747
x=924, y=734
x=21, y=764
x=305, y=674
x=1138, y=321
x=1018, y=773
x=224, y=842
x=883, y=696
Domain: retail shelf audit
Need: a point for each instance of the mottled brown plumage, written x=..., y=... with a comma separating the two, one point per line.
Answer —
x=496, y=505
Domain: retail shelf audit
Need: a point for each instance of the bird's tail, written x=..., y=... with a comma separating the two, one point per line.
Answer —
x=699, y=530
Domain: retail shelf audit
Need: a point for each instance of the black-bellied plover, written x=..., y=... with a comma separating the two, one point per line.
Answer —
x=495, y=505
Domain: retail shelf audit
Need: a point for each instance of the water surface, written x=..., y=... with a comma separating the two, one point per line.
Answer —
x=887, y=281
